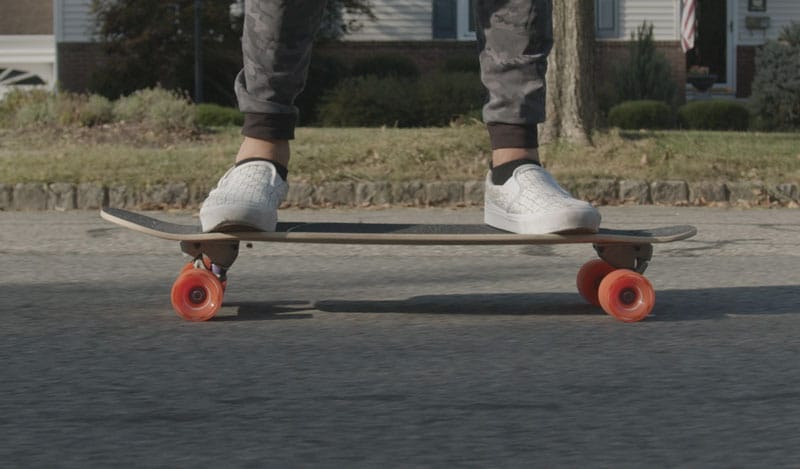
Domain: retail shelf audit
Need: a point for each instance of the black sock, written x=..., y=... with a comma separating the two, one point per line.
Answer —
x=502, y=173
x=283, y=172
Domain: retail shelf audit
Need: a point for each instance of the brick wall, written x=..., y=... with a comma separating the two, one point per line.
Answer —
x=428, y=55
x=28, y=17
x=76, y=63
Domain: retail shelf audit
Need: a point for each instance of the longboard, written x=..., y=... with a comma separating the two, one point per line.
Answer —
x=624, y=254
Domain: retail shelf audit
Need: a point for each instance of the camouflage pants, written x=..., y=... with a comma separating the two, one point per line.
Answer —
x=514, y=38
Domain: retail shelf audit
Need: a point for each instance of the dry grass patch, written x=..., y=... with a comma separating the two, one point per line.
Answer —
x=136, y=156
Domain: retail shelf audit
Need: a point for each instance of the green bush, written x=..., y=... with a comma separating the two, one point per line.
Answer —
x=369, y=102
x=444, y=97
x=776, y=86
x=214, y=115
x=95, y=110
x=26, y=108
x=645, y=114
x=382, y=66
x=15, y=100
x=156, y=107
x=324, y=74
x=714, y=115
x=646, y=74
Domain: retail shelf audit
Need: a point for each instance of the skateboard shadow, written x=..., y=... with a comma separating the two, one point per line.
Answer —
x=260, y=311
x=490, y=304
x=671, y=305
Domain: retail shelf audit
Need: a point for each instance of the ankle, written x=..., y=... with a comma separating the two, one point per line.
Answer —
x=276, y=151
x=502, y=173
x=506, y=155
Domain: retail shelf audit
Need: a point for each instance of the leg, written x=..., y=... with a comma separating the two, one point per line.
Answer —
x=514, y=39
x=276, y=47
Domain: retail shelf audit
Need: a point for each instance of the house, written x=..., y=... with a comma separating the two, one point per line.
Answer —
x=47, y=41
x=27, y=44
x=728, y=32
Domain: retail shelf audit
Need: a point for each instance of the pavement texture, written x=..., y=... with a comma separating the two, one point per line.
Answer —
x=360, y=356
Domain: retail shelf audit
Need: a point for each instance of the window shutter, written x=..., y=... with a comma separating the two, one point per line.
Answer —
x=445, y=19
x=606, y=18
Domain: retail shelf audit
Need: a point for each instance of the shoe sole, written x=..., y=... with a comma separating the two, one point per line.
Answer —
x=228, y=218
x=572, y=221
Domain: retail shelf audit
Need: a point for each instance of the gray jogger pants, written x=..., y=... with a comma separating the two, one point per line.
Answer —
x=514, y=39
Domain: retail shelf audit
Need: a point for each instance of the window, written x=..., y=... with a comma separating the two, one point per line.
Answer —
x=607, y=18
x=454, y=19
x=466, y=19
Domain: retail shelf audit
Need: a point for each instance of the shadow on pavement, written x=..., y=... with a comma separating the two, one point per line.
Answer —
x=671, y=305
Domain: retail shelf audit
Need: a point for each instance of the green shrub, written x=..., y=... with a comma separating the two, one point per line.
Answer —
x=443, y=97
x=156, y=107
x=371, y=101
x=95, y=110
x=26, y=108
x=714, y=115
x=324, y=74
x=645, y=114
x=646, y=74
x=15, y=100
x=385, y=66
x=776, y=86
x=80, y=109
x=214, y=115
x=462, y=63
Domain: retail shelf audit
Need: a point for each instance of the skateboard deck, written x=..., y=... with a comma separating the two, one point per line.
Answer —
x=615, y=281
x=391, y=233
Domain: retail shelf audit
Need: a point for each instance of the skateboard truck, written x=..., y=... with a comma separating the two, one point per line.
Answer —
x=221, y=254
x=626, y=256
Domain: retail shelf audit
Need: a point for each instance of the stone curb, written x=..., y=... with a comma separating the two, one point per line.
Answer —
x=90, y=196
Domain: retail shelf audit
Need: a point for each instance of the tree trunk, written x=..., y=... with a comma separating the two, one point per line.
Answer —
x=570, y=74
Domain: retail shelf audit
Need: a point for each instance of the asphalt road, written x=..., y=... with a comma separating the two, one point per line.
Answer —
x=348, y=356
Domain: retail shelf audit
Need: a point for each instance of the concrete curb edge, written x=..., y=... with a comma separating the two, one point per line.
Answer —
x=179, y=195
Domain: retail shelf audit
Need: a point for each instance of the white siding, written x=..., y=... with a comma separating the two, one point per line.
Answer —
x=780, y=14
x=397, y=20
x=663, y=14
x=34, y=54
x=74, y=20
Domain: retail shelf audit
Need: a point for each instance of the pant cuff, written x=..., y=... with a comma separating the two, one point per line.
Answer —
x=269, y=126
x=513, y=135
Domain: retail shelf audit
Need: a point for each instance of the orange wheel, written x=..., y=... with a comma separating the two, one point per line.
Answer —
x=196, y=295
x=626, y=295
x=589, y=278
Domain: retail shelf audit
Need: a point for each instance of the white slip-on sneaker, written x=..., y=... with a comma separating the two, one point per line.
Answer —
x=532, y=202
x=247, y=196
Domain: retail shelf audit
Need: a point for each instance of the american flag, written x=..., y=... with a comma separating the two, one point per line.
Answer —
x=688, y=25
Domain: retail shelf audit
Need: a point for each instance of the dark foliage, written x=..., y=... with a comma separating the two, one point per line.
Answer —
x=646, y=74
x=776, y=87
x=714, y=115
x=645, y=114
x=150, y=42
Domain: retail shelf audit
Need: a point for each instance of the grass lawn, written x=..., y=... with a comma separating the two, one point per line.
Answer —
x=118, y=155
